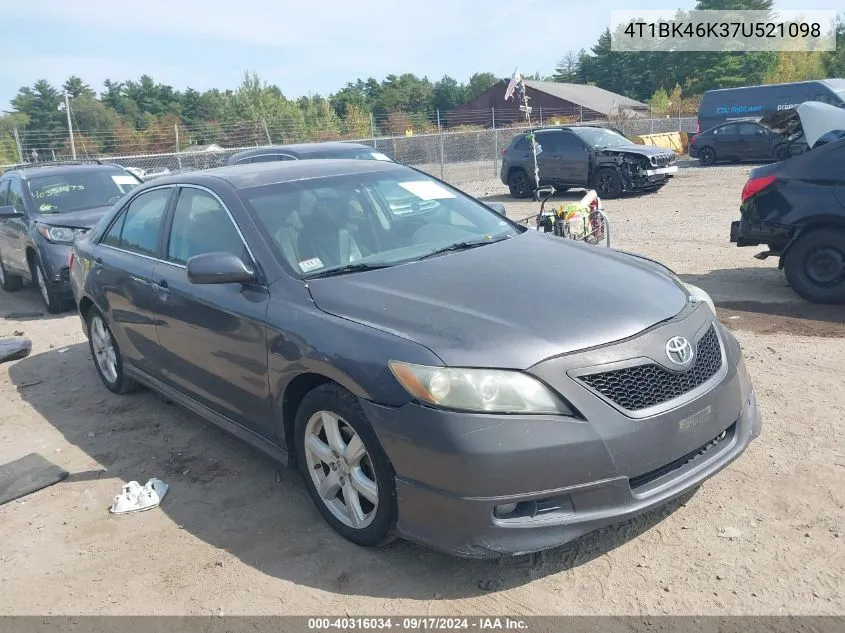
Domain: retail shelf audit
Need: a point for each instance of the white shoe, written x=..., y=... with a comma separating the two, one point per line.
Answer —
x=134, y=498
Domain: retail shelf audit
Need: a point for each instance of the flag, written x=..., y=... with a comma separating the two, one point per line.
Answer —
x=515, y=79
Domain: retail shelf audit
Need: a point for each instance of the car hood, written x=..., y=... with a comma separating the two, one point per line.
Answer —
x=509, y=304
x=84, y=219
x=812, y=118
x=642, y=150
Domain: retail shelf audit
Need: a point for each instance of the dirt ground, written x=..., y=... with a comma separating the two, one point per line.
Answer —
x=237, y=535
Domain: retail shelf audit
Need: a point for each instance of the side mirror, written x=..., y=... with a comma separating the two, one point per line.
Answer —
x=498, y=207
x=219, y=268
x=6, y=213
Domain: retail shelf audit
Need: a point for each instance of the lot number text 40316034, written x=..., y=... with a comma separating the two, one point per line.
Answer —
x=417, y=624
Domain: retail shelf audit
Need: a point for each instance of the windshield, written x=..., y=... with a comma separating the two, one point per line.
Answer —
x=601, y=137
x=79, y=190
x=374, y=219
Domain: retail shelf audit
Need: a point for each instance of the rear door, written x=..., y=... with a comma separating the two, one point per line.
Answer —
x=725, y=141
x=123, y=270
x=549, y=159
x=213, y=337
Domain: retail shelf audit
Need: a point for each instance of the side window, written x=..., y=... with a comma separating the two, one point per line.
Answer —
x=16, y=196
x=726, y=130
x=522, y=144
x=201, y=225
x=140, y=224
x=4, y=189
x=112, y=236
x=568, y=144
x=549, y=141
x=243, y=161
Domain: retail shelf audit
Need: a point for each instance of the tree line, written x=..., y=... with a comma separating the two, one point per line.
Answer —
x=146, y=116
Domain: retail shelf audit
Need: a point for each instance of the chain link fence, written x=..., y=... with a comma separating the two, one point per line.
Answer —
x=458, y=155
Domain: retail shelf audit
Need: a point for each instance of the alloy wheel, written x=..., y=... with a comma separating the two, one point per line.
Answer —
x=341, y=469
x=103, y=346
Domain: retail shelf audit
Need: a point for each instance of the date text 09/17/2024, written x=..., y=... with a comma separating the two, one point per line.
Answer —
x=416, y=624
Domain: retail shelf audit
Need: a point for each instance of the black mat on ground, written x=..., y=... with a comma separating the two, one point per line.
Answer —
x=26, y=475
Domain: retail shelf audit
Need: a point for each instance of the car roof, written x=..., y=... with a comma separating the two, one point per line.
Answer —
x=36, y=170
x=259, y=174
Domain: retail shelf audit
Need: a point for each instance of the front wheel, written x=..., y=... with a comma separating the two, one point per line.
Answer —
x=346, y=471
x=815, y=266
x=54, y=302
x=608, y=184
x=781, y=152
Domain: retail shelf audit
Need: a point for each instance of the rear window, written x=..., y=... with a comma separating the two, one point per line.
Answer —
x=521, y=143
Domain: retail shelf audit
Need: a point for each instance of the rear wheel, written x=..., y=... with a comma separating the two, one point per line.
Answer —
x=8, y=282
x=519, y=185
x=106, y=355
x=781, y=152
x=815, y=266
x=346, y=471
x=707, y=156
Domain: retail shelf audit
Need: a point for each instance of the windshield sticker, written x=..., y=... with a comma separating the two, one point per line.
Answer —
x=124, y=180
x=427, y=190
x=56, y=190
x=380, y=156
x=308, y=265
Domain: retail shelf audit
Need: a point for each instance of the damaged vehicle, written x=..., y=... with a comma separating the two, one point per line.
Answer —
x=796, y=207
x=577, y=157
x=403, y=364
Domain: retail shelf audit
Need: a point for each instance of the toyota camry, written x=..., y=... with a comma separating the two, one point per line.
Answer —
x=423, y=380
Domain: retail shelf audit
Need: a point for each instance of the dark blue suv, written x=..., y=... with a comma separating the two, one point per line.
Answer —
x=43, y=209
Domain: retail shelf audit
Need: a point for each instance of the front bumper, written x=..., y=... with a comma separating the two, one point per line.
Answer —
x=567, y=477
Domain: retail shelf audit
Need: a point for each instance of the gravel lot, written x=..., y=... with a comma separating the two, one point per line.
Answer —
x=236, y=535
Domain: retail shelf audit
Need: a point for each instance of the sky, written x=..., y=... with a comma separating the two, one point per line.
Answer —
x=303, y=47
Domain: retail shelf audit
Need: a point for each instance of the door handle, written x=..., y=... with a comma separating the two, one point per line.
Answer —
x=161, y=287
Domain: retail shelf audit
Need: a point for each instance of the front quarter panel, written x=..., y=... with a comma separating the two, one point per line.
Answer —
x=302, y=339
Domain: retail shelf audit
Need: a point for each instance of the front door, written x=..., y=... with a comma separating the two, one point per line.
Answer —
x=15, y=231
x=213, y=337
x=574, y=160
x=124, y=266
x=753, y=142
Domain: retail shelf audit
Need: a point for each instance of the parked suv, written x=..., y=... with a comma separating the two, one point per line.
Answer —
x=585, y=156
x=43, y=209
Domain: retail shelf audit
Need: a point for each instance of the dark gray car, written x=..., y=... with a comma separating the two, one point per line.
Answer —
x=43, y=209
x=306, y=151
x=424, y=384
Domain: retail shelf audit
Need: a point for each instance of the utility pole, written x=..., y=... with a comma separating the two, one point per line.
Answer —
x=70, y=126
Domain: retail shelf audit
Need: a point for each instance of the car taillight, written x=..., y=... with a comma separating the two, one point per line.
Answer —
x=756, y=185
x=504, y=151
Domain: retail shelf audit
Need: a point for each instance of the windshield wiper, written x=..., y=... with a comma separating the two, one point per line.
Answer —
x=463, y=246
x=349, y=268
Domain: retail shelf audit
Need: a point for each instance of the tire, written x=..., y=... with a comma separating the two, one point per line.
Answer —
x=52, y=300
x=9, y=283
x=330, y=406
x=519, y=184
x=707, y=156
x=815, y=266
x=608, y=183
x=116, y=381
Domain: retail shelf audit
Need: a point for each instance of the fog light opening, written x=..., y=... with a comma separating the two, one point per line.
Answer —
x=502, y=510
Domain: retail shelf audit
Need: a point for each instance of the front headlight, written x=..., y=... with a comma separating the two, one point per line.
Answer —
x=61, y=234
x=697, y=294
x=478, y=390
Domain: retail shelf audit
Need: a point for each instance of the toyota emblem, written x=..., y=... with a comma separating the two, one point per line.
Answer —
x=679, y=350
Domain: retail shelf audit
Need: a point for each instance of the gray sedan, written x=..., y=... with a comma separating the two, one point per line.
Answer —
x=423, y=379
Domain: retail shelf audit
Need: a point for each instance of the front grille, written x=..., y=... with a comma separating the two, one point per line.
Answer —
x=648, y=385
x=664, y=160
x=647, y=478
